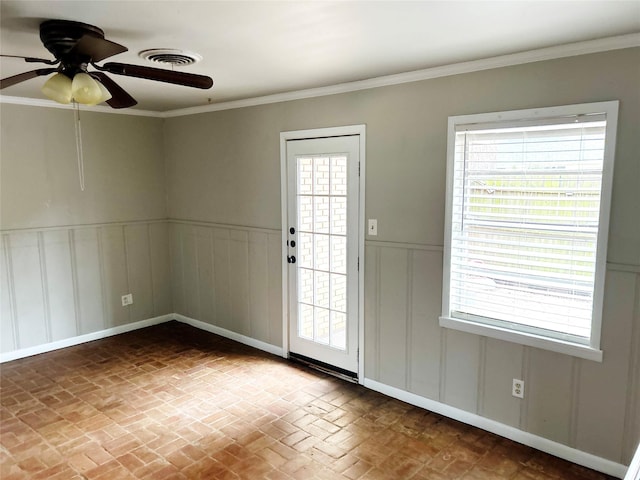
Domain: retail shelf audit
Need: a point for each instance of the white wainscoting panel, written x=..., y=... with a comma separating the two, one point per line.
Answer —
x=62, y=283
x=228, y=276
x=59, y=285
x=87, y=265
x=585, y=405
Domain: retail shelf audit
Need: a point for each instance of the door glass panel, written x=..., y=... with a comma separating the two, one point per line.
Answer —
x=305, y=250
x=321, y=214
x=338, y=254
x=305, y=176
x=321, y=252
x=305, y=321
x=338, y=184
x=305, y=285
x=338, y=330
x=322, y=248
x=322, y=325
x=305, y=213
x=320, y=176
x=338, y=215
x=339, y=292
x=321, y=297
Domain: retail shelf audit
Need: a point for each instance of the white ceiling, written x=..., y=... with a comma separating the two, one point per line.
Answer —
x=253, y=49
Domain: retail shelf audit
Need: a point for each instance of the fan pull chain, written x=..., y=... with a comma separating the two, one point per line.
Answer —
x=79, y=146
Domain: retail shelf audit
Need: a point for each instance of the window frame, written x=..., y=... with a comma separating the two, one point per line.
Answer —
x=591, y=350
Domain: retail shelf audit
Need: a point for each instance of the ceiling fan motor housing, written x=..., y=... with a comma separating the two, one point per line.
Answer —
x=60, y=36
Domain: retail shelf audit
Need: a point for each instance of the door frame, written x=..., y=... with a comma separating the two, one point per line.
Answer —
x=360, y=131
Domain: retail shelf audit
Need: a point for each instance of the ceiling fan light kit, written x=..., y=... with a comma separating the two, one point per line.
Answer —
x=76, y=46
x=58, y=88
x=104, y=93
x=83, y=89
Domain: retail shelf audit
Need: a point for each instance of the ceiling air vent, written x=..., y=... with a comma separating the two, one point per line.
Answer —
x=170, y=56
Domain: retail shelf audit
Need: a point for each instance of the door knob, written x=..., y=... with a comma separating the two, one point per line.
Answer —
x=292, y=230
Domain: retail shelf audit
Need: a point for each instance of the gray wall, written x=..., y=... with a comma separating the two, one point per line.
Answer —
x=68, y=256
x=223, y=172
x=124, y=168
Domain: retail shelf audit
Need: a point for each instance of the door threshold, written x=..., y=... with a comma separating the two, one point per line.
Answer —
x=325, y=367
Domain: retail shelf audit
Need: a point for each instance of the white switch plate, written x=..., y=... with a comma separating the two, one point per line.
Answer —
x=372, y=229
x=127, y=299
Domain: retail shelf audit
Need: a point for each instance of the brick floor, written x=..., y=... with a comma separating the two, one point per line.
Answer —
x=174, y=402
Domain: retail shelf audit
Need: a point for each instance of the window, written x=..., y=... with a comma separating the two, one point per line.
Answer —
x=528, y=196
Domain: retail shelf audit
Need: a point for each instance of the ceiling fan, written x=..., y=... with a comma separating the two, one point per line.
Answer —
x=76, y=46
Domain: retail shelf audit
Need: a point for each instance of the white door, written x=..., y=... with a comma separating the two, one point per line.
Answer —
x=322, y=249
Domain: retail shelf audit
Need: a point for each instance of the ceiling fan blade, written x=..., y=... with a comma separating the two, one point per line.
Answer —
x=96, y=48
x=119, y=97
x=33, y=60
x=159, y=75
x=21, y=77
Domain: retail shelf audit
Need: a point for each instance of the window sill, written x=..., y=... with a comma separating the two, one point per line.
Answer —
x=530, y=340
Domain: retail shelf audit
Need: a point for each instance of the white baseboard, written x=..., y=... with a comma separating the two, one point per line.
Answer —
x=634, y=469
x=252, y=342
x=88, y=337
x=559, y=450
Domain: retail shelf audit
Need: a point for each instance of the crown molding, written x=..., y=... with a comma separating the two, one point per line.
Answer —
x=41, y=102
x=549, y=53
x=538, y=55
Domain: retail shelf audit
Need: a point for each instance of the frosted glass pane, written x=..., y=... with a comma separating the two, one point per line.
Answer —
x=338, y=330
x=338, y=215
x=339, y=254
x=321, y=289
x=305, y=285
x=322, y=322
x=322, y=252
x=304, y=249
x=305, y=176
x=321, y=176
x=338, y=175
x=321, y=210
x=305, y=213
x=305, y=321
x=338, y=292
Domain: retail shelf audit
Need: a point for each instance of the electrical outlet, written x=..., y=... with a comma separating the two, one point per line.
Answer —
x=518, y=388
x=127, y=299
x=373, y=227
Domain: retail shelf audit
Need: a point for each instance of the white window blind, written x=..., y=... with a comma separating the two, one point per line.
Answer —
x=525, y=215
